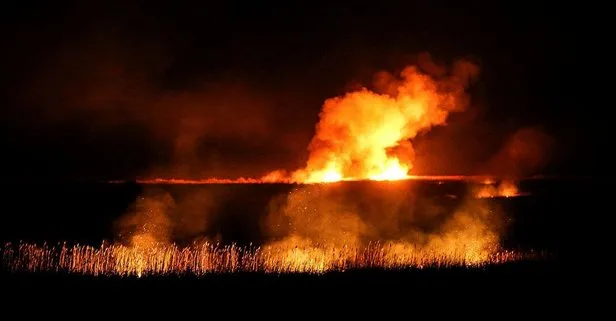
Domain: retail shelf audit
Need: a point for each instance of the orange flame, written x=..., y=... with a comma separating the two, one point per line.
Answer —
x=282, y=177
x=504, y=189
x=366, y=135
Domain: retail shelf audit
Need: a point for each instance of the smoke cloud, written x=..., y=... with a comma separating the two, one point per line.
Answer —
x=123, y=99
x=333, y=215
x=157, y=217
x=524, y=153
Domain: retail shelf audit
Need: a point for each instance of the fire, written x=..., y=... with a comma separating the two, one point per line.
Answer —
x=333, y=175
x=204, y=258
x=367, y=135
x=330, y=176
x=504, y=189
x=508, y=189
x=392, y=171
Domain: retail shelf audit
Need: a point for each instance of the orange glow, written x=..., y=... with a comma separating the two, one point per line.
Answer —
x=504, y=189
x=365, y=135
x=281, y=177
x=361, y=135
x=204, y=258
x=508, y=189
x=391, y=172
x=488, y=181
x=329, y=176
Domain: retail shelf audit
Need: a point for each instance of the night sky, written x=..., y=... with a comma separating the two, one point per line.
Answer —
x=195, y=89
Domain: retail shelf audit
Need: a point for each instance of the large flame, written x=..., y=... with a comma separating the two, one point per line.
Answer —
x=366, y=135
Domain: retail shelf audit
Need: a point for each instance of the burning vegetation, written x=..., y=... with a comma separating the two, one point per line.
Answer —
x=204, y=258
x=361, y=136
x=503, y=189
x=315, y=228
x=367, y=135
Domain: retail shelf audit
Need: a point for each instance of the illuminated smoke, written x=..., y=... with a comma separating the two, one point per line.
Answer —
x=148, y=223
x=316, y=213
x=524, y=153
x=322, y=215
x=157, y=218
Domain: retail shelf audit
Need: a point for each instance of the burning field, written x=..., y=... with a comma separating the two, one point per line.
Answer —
x=314, y=228
x=357, y=203
x=207, y=258
x=181, y=229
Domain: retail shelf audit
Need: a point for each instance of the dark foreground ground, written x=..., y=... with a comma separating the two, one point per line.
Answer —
x=528, y=278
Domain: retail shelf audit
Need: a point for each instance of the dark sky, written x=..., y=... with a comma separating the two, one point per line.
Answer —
x=95, y=90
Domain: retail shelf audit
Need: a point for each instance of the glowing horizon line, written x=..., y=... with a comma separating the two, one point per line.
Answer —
x=244, y=180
